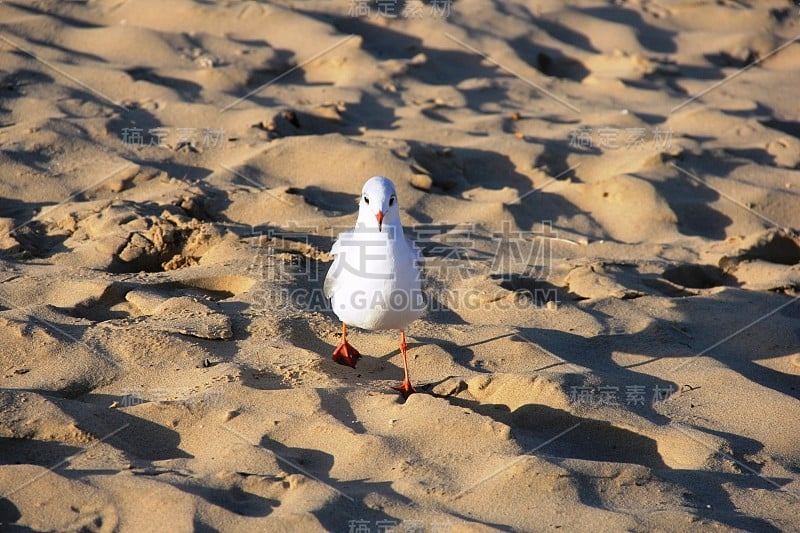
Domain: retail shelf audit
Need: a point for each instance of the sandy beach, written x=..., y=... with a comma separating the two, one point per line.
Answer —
x=606, y=195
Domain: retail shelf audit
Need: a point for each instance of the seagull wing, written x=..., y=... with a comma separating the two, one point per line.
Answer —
x=330, y=279
x=417, y=256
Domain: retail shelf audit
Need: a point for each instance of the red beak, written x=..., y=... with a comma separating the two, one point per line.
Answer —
x=379, y=216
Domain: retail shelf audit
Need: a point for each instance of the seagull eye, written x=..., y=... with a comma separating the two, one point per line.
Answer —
x=366, y=200
x=391, y=200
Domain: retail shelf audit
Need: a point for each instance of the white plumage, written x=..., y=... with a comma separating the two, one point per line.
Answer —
x=375, y=280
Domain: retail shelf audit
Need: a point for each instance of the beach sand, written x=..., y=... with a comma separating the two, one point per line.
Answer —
x=604, y=193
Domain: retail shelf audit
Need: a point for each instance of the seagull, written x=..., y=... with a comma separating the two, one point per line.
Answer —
x=375, y=281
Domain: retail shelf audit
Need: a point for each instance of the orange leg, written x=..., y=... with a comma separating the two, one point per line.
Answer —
x=405, y=388
x=345, y=354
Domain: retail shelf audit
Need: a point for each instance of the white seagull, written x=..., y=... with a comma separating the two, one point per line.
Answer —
x=375, y=281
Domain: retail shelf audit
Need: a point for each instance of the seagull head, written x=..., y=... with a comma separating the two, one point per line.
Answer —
x=378, y=204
